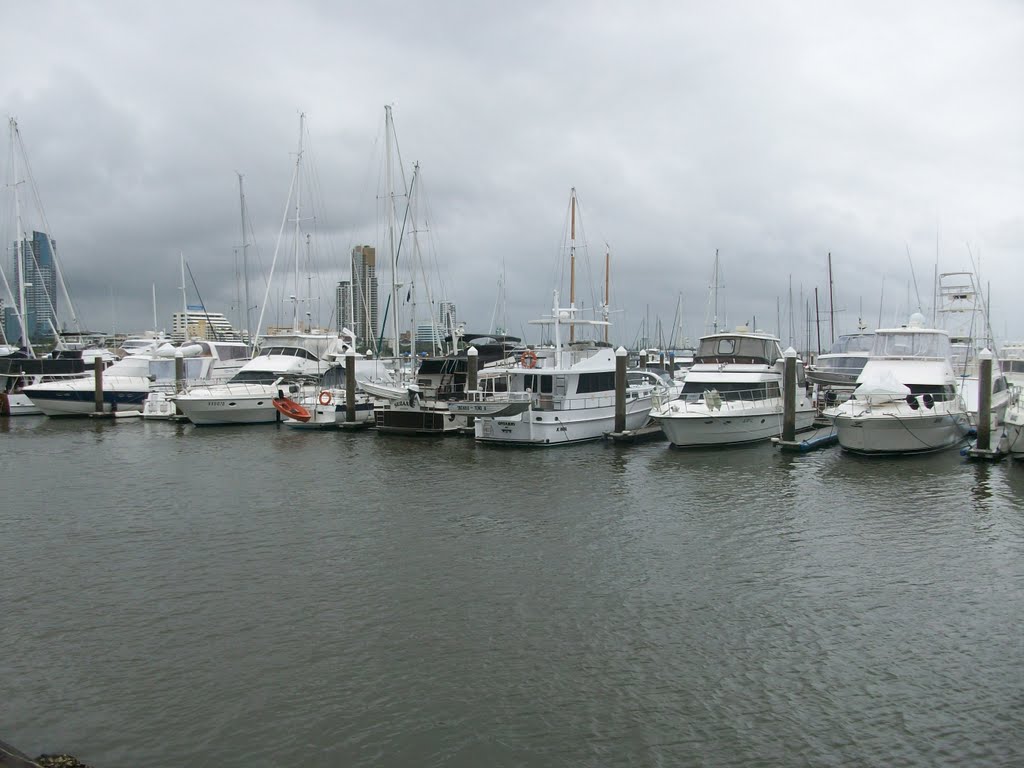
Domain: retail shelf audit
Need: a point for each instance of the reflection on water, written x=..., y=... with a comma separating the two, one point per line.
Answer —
x=263, y=596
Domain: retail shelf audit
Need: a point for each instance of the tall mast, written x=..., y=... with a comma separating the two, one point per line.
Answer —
x=607, y=279
x=572, y=261
x=298, y=207
x=184, y=292
x=388, y=129
x=715, y=289
x=154, y=306
x=19, y=252
x=831, y=302
x=245, y=261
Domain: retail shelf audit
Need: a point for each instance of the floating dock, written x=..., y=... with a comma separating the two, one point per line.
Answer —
x=819, y=437
x=642, y=435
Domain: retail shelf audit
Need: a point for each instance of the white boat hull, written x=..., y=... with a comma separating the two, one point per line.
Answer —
x=330, y=416
x=77, y=397
x=228, y=404
x=900, y=431
x=17, y=404
x=694, y=425
x=1014, y=430
x=560, y=427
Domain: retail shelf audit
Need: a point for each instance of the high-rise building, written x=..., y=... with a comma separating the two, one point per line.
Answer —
x=343, y=305
x=37, y=269
x=446, y=315
x=197, y=323
x=364, y=294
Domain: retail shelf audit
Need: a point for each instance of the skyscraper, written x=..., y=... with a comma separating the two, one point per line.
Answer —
x=446, y=316
x=364, y=294
x=343, y=305
x=37, y=269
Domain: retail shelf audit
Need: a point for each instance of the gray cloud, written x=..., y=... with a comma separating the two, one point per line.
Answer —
x=774, y=133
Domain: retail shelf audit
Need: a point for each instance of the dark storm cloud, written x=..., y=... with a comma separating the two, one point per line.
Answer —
x=775, y=134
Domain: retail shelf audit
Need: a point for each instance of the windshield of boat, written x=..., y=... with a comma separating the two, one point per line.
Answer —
x=860, y=342
x=254, y=377
x=738, y=349
x=919, y=344
x=288, y=352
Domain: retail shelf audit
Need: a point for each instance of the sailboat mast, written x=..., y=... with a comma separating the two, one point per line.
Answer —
x=715, y=289
x=19, y=252
x=831, y=302
x=245, y=262
x=607, y=282
x=572, y=260
x=388, y=129
x=184, y=294
x=298, y=207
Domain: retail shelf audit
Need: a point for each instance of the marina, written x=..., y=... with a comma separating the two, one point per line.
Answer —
x=256, y=595
x=503, y=386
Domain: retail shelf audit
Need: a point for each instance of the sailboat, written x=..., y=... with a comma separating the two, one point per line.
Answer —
x=37, y=267
x=414, y=399
x=291, y=361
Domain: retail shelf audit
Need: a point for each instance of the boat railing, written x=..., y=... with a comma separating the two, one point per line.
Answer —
x=716, y=400
x=235, y=388
x=485, y=396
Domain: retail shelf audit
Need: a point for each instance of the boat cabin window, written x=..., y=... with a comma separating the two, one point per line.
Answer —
x=231, y=351
x=254, y=377
x=288, y=352
x=738, y=349
x=598, y=381
x=494, y=384
x=164, y=369
x=536, y=382
x=922, y=345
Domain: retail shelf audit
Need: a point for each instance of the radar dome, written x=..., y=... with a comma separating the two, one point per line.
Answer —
x=916, y=320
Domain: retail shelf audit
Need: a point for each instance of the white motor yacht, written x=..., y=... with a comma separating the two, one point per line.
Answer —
x=845, y=359
x=906, y=400
x=289, y=364
x=733, y=393
x=128, y=382
x=554, y=395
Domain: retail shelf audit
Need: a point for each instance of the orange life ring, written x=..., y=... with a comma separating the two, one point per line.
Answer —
x=528, y=359
x=326, y=398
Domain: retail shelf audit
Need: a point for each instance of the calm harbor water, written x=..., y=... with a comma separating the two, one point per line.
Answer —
x=255, y=596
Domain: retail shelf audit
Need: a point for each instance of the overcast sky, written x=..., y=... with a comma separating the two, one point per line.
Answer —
x=775, y=133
